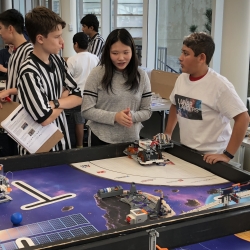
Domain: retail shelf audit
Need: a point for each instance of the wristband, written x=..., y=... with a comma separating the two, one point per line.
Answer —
x=56, y=103
x=228, y=154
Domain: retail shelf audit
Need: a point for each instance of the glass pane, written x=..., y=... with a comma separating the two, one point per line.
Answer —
x=128, y=14
x=129, y=21
x=56, y=6
x=94, y=1
x=92, y=7
x=135, y=32
x=129, y=1
x=136, y=9
x=175, y=19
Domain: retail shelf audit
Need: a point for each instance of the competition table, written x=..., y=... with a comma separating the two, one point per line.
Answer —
x=49, y=175
x=245, y=144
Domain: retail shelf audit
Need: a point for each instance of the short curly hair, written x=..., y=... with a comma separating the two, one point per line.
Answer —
x=200, y=42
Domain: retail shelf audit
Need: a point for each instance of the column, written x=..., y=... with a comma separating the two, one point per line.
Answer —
x=236, y=44
x=105, y=18
x=68, y=14
x=6, y=4
x=216, y=32
x=149, y=28
x=235, y=47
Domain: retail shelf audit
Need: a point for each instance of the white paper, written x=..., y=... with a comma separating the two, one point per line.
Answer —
x=28, y=133
x=175, y=172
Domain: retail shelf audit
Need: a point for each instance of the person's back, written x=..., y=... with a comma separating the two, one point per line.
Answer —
x=80, y=65
x=90, y=25
x=203, y=102
x=83, y=62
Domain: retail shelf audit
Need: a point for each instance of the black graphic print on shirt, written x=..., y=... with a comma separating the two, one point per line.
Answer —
x=189, y=108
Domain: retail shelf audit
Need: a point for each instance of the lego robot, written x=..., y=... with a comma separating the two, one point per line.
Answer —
x=147, y=151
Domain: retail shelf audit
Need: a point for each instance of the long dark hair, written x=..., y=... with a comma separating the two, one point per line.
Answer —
x=131, y=72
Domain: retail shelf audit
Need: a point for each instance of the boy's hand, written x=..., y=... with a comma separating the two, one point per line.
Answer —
x=124, y=118
x=213, y=158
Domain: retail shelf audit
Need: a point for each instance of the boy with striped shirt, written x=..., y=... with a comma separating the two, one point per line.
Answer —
x=90, y=25
x=45, y=85
x=11, y=31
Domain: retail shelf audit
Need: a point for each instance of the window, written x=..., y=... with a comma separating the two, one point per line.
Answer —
x=175, y=19
x=89, y=7
x=129, y=15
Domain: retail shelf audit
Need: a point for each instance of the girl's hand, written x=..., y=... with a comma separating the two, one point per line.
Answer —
x=124, y=118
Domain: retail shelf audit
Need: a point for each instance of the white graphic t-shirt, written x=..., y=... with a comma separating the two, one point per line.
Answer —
x=204, y=110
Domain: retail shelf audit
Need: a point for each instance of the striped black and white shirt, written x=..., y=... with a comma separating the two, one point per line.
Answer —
x=15, y=61
x=39, y=83
x=95, y=45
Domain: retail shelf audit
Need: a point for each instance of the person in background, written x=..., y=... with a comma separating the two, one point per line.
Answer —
x=4, y=59
x=45, y=75
x=90, y=26
x=117, y=93
x=204, y=102
x=12, y=32
x=80, y=65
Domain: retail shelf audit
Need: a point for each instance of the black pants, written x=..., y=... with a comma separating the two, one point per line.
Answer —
x=8, y=147
x=95, y=141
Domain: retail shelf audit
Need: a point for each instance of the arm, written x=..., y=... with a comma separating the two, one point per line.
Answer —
x=172, y=121
x=65, y=102
x=3, y=69
x=35, y=100
x=90, y=95
x=6, y=93
x=144, y=111
x=71, y=97
x=238, y=134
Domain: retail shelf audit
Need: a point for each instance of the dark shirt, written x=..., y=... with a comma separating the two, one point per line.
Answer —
x=4, y=59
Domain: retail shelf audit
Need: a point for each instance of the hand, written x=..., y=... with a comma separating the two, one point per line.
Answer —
x=213, y=158
x=124, y=118
x=4, y=94
x=168, y=137
x=65, y=93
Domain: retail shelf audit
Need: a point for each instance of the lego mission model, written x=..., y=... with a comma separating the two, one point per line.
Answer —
x=234, y=193
x=147, y=151
x=143, y=206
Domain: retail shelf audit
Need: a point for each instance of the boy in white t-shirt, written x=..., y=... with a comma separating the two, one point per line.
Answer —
x=204, y=102
x=80, y=66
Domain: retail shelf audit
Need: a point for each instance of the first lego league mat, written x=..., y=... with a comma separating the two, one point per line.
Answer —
x=61, y=202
